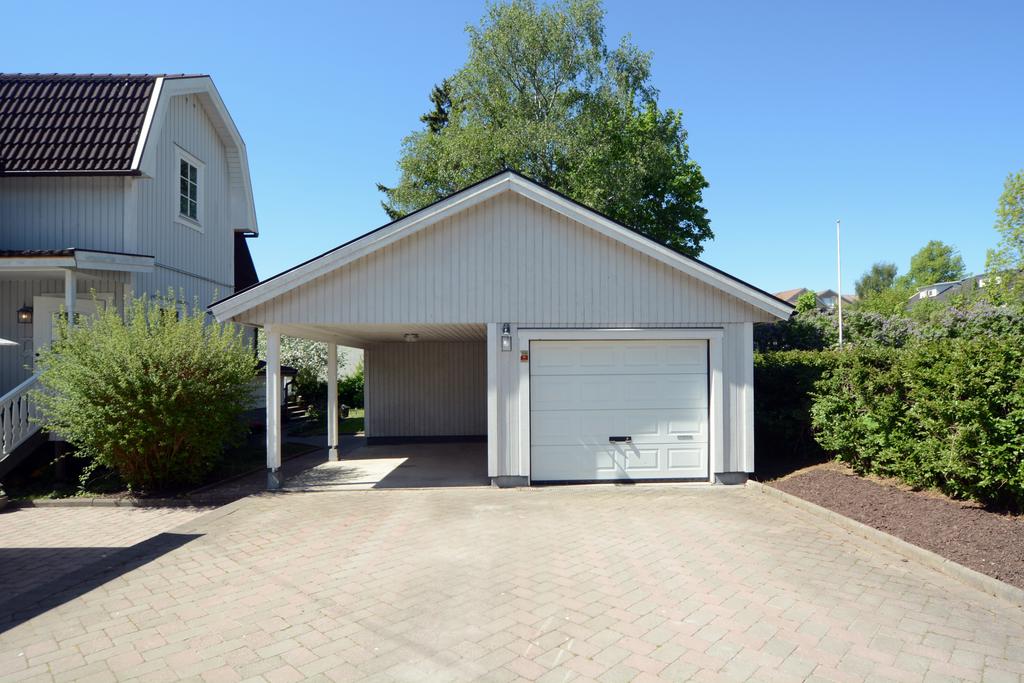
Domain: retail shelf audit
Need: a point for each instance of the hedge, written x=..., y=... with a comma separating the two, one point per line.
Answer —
x=945, y=413
x=783, y=385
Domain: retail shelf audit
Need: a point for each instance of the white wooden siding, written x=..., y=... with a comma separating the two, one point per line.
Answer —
x=62, y=212
x=16, y=361
x=506, y=260
x=201, y=263
x=426, y=389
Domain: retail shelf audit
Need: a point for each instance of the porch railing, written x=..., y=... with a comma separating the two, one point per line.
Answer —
x=17, y=410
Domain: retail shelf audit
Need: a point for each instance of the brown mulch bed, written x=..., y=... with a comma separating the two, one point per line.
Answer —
x=989, y=542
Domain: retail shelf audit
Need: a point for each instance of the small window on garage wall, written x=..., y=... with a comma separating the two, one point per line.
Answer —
x=188, y=183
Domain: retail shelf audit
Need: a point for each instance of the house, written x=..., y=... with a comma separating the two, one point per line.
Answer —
x=826, y=298
x=579, y=349
x=943, y=291
x=111, y=184
x=791, y=296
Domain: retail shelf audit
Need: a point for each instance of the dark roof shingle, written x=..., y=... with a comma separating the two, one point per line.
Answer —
x=71, y=123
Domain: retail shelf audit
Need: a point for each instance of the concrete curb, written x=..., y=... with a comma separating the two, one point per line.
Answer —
x=971, y=577
x=111, y=503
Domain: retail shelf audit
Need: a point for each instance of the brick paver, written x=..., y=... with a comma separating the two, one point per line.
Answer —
x=569, y=584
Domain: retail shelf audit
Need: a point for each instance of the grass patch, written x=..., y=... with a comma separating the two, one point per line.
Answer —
x=353, y=424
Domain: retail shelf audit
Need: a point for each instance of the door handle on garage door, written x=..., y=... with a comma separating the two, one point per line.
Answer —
x=620, y=439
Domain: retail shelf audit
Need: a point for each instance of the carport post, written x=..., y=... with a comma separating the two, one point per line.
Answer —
x=332, y=402
x=273, y=407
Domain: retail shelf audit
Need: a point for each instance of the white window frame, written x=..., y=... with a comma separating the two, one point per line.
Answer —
x=180, y=218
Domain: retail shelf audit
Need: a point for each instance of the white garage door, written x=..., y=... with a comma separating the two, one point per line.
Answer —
x=618, y=410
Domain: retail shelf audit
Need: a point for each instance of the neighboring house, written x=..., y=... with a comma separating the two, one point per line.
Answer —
x=943, y=291
x=826, y=298
x=578, y=348
x=111, y=184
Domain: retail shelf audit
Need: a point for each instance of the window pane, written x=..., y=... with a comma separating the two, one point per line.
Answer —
x=184, y=187
x=193, y=192
x=193, y=174
x=192, y=209
x=184, y=169
x=183, y=206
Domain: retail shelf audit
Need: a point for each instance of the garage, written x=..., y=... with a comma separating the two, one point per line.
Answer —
x=577, y=348
x=619, y=410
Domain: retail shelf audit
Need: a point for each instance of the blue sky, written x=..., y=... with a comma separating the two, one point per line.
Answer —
x=900, y=118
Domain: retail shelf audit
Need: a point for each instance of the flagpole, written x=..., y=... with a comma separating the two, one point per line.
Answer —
x=839, y=285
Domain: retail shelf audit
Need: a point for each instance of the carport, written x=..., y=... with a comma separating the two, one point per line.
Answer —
x=578, y=348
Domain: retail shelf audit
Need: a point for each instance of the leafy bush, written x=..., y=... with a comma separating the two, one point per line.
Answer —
x=946, y=413
x=350, y=389
x=155, y=396
x=783, y=383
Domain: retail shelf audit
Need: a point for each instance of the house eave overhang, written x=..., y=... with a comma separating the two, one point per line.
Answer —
x=506, y=181
x=77, y=259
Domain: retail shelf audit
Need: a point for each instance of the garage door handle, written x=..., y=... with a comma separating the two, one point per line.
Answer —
x=620, y=439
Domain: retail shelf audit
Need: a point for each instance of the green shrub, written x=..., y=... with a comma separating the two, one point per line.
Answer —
x=945, y=413
x=350, y=389
x=155, y=396
x=783, y=383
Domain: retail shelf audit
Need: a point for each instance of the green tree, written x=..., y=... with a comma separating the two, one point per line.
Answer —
x=878, y=279
x=541, y=92
x=807, y=303
x=1010, y=226
x=155, y=395
x=935, y=262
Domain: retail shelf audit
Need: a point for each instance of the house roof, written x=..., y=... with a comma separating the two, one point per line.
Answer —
x=100, y=124
x=790, y=295
x=73, y=123
x=507, y=180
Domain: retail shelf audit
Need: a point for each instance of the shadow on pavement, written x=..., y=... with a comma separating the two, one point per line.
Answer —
x=35, y=580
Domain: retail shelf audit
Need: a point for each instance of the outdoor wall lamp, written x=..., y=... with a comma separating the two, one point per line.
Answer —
x=506, y=338
x=411, y=337
x=25, y=315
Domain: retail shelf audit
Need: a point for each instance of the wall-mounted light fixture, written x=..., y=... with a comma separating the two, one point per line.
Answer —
x=411, y=337
x=506, y=337
x=25, y=315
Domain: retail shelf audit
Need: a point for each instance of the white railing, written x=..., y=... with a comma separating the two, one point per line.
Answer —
x=17, y=410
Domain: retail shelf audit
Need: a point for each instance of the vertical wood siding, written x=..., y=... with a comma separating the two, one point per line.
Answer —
x=207, y=257
x=62, y=212
x=16, y=361
x=508, y=259
x=427, y=389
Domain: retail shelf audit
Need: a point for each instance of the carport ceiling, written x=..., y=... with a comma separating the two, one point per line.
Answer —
x=365, y=335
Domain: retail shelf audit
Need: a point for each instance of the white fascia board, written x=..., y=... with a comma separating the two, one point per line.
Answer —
x=98, y=260
x=378, y=239
x=610, y=229
x=42, y=264
x=147, y=123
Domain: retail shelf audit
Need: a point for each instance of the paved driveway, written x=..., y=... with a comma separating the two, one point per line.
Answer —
x=575, y=583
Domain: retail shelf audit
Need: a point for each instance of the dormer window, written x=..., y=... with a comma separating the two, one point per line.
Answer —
x=190, y=190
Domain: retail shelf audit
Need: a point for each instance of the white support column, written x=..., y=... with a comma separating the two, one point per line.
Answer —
x=492, y=400
x=273, y=407
x=332, y=402
x=70, y=295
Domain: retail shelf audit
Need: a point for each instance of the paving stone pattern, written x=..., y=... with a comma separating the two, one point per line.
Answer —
x=552, y=584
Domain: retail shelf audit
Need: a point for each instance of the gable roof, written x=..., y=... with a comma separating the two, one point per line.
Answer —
x=790, y=295
x=504, y=181
x=72, y=123
x=101, y=124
